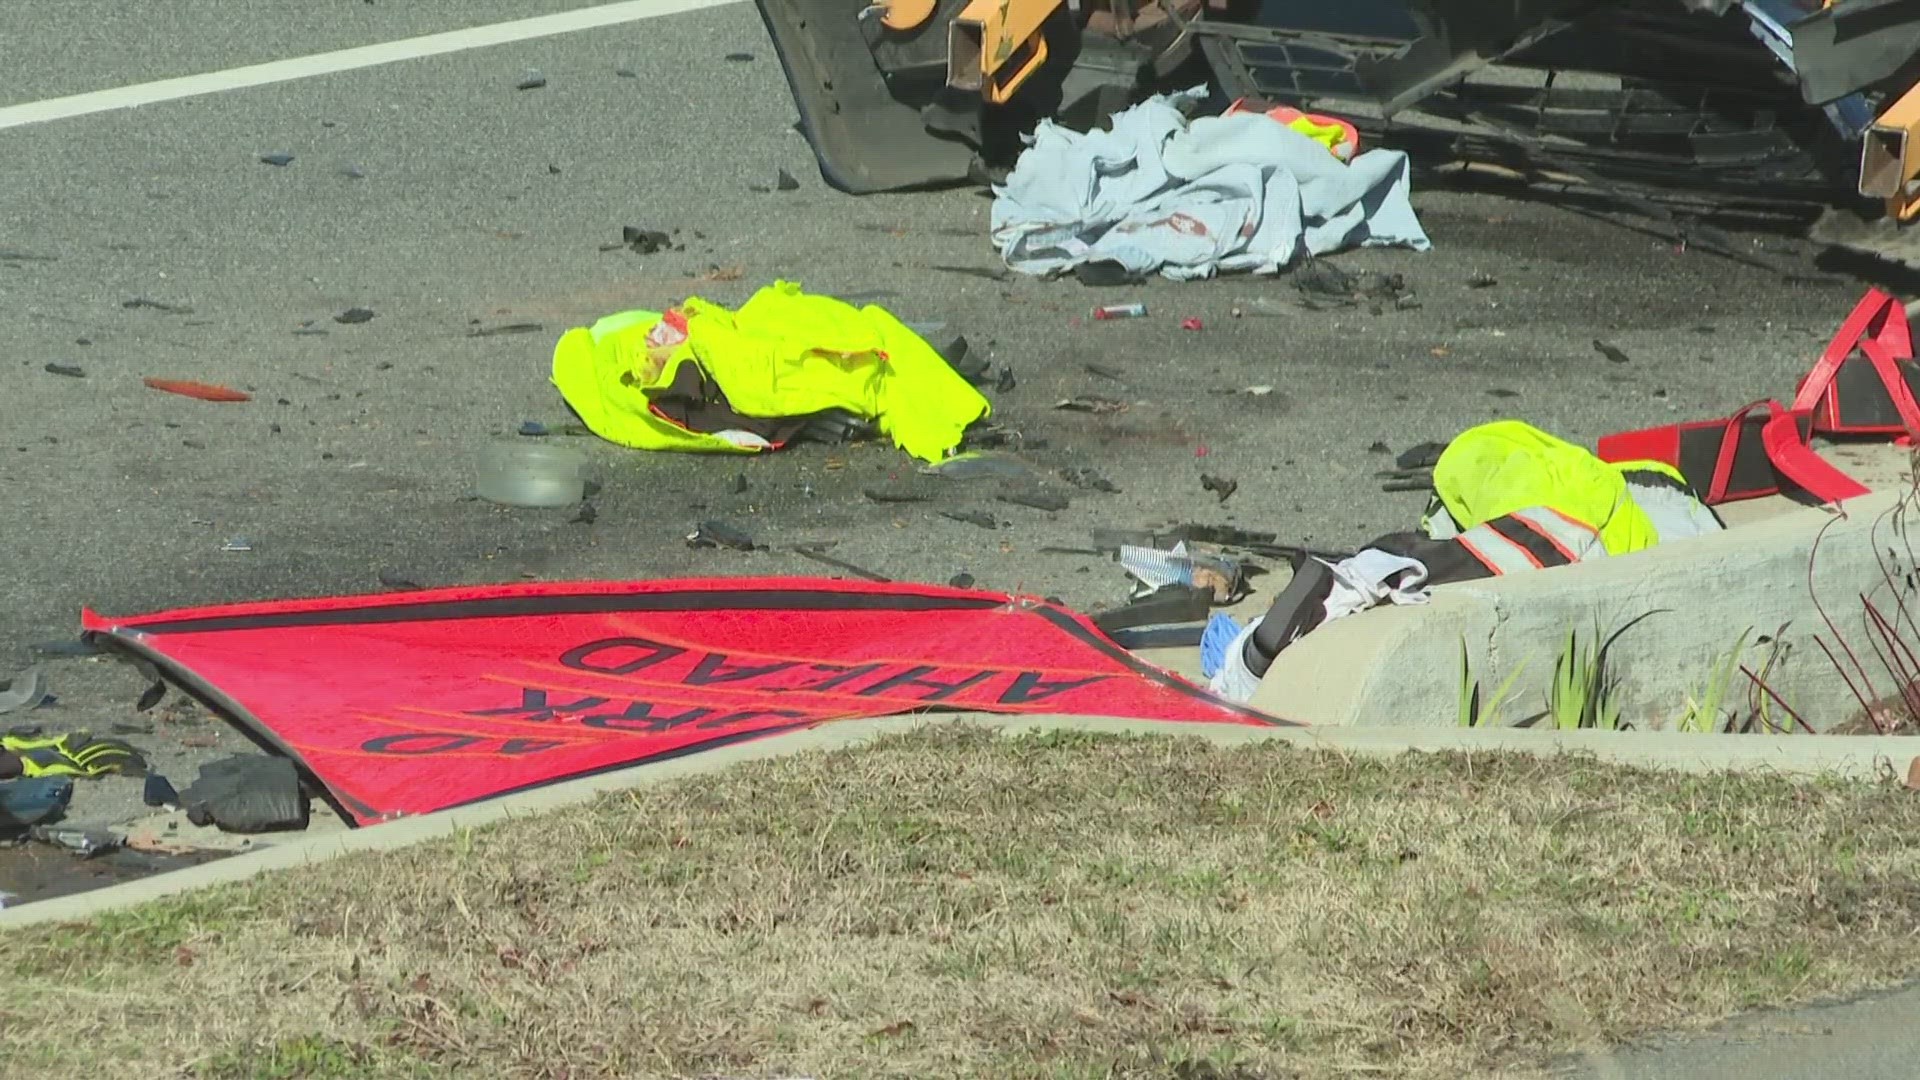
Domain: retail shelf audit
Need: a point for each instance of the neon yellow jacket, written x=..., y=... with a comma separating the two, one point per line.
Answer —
x=783, y=353
x=1496, y=469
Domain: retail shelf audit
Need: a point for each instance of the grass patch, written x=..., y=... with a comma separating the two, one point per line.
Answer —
x=958, y=903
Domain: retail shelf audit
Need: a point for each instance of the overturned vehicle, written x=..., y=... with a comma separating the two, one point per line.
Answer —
x=1714, y=104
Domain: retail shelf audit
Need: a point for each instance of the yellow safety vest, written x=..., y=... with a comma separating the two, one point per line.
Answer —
x=783, y=353
x=1505, y=467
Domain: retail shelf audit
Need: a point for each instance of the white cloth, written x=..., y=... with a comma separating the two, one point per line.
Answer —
x=1359, y=582
x=1367, y=578
x=1235, y=681
x=1224, y=193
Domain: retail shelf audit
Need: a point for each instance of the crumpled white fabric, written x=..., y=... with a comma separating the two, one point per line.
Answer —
x=1189, y=200
x=1365, y=579
x=1359, y=582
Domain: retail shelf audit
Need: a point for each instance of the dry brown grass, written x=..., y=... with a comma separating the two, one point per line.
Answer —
x=959, y=904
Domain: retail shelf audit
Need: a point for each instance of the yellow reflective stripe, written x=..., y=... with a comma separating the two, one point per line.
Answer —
x=1496, y=552
x=1575, y=541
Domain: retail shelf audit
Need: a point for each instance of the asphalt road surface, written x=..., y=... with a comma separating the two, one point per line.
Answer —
x=446, y=200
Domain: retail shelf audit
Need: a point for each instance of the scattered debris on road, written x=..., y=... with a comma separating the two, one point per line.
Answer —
x=277, y=160
x=199, y=391
x=531, y=79
x=71, y=371
x=353, y=316
x=719, y=534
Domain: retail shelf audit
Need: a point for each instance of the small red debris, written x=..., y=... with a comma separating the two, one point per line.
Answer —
x=1191, y=323
x=1200, y=451
x=200, y=390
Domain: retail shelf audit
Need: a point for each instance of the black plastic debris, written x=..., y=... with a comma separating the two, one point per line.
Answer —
x=586, y=515
x=896, y=495
x=1503, y=392
x=644, y=241
x=1005, y=381
x=1106, y=274
x=354, y=316
x=972, y=517
x=626, y=73
x=817, y=553
x=28, y=801
x=1422, y=456
x=154, y=694
x=156, y=305
x=739, y=483
x=1612, y=352
x=278, y=161
x=961, y=580
x=784, y=181
x=1221, y=486
x=397, y=582
x=1481, y=280
x=507, y=328
x=71, y=371
x=719, y=534
x=1104, y=372
x=1379, y=446
x=533, y=429
x=1167, y=605
x=247, y=793
x=838, y=426
x=1050, y=501
x=159, y=791
x=1089, y=478
x=531, y=80
x=740, y=57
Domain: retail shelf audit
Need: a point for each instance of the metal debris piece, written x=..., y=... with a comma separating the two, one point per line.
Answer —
x=24, y=691
x=85, y=843
x=533, y=429
x=237, y=543
x=277, y=160
x=531, y=80
x=1090, y=403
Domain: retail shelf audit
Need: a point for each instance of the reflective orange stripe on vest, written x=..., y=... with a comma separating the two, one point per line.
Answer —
x=1530, y=539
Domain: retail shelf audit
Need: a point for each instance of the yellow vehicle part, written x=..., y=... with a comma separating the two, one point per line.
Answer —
x=1890, y=157
x=905, y=14
x=994, y=46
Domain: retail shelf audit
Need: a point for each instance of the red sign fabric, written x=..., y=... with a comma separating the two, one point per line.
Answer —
x=406, y=703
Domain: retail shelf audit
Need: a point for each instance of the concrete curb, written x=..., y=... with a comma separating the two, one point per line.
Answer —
x=1400, y=666
x=1861, y=758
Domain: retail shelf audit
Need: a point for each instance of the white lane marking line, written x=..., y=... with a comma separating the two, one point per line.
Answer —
x=327, y=63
